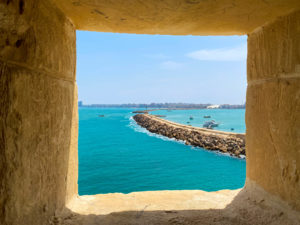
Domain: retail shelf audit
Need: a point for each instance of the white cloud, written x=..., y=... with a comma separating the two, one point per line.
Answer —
x=171, y=65
x=238, y=53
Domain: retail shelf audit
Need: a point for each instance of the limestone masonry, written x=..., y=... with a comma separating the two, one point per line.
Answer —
x=226, y=142
x=39, y=115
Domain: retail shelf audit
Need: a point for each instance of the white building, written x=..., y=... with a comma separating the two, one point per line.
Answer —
x=213, y=106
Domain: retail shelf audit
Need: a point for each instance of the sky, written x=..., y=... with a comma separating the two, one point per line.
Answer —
x=130, y=68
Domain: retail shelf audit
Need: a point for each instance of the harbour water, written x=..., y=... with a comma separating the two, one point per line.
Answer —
x=227, y=118
x=116, y=155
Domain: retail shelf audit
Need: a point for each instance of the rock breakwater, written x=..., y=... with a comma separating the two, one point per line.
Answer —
x=226, y=142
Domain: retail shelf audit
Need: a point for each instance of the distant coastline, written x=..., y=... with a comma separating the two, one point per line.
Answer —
x=169, y=106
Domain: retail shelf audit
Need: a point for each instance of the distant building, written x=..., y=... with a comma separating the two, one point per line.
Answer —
x=80, y=104
x=228, y=106
x=213, y=106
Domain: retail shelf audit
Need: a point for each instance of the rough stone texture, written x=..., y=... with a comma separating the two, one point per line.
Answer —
x=39, y=121
x=72, y=175
x=37, y=36
x=197, y=17
x=274, y=50
x=37, y=117
x=273, y=108
x=248, y=206
x=226, y=142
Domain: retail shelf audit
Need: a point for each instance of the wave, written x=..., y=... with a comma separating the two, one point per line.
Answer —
x=137, y=128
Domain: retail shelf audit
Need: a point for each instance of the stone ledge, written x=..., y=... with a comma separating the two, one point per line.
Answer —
x=247, y=206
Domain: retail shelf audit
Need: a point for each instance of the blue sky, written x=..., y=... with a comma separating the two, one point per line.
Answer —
x=130, y=68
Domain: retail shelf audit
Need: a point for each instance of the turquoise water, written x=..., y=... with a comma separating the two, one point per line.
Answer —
x=227, y=118
x=116, y=155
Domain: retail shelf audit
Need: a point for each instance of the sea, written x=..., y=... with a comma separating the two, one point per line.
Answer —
x=117, y=155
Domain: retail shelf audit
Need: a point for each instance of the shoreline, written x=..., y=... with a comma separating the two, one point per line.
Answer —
x=213, y=140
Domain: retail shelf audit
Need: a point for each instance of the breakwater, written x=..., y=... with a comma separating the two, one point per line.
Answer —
x=226, y=142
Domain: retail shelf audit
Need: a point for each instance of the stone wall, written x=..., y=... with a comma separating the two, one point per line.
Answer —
x=38, y=111
x=174, y=17
x=38, y=95
x=273, y=108
x=226, y=142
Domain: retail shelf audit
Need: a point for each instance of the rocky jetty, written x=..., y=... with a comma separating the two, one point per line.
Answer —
x=141, y=111
x=226, y=142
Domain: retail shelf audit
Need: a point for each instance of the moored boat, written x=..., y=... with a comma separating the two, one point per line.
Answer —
x=210, y=124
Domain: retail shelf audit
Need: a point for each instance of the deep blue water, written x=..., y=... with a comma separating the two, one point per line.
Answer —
x=116, y=155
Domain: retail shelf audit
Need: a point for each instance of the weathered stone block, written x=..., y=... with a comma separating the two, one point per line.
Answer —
x=39, y=36
x=36, y=124
x=274, y=49
x=38, y=111
x=273, y=137
x=176, y=17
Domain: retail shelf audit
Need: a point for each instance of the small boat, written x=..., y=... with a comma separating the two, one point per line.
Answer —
x=188, y=122
x=207, y=116
x=232, y=129
x=191, y=118
x=160, y=115
x=100, y=115
x=210, y=124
